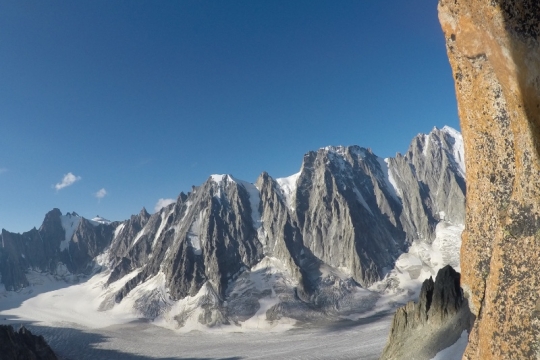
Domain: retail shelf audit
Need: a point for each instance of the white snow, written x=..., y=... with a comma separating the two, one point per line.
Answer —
x=57, y=304
x=164, y=215
x=458, y=148
x=219, y=178
x=193, y=234
x=139, y=235
x=119, y=229
x=426, y=144
x=421, y=261
x=142, y=340
x=254, y=203
x=99, y=220
x=388, y=178
x=69, y=223
x=456, y=351
x=264, y=280
x=339, y=150
x=288, y=188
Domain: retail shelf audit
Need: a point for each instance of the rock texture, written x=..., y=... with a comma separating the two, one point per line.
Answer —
x=494, y=51
x=23, y=345
x=420, y=330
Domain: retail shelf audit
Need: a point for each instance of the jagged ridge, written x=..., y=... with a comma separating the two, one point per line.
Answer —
x=341, y=221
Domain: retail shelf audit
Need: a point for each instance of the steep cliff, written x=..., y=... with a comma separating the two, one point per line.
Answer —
x=494, y=51
x=421, y=329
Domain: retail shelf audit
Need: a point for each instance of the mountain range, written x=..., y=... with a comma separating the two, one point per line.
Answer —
x=324, y=243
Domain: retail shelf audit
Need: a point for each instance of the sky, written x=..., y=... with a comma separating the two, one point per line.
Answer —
x=109, y=106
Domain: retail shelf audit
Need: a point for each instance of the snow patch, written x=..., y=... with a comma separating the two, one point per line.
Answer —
x=119, y=229
x=339, y=150
x=139, y=235
x=455, y=351
x=458, y=148
x=427, y=139
x=219, y=181
x=164, y=215
x=69, y=222
x=193, y=235
x=421, y=261
x=288, y=188
x=188, y=309
x=254, y=203
x=388, y=178
x=99, y=220
x=219, y=178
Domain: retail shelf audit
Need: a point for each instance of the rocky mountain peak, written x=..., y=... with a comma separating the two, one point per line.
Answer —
x=144, y=214
x=421, y=329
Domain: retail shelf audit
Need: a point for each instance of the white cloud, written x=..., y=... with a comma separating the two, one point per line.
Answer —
x=162, y=203
x=100, y=194
x=68, y=180
x=3, y=170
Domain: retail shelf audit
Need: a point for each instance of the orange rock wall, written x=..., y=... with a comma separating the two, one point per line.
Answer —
x=493, y=48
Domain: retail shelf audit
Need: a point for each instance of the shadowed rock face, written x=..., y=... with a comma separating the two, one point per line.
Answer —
x=494, y=51
x=49, y=250
x=420, y=330
x=23, y=345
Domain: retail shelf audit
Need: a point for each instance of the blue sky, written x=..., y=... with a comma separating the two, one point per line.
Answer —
x=146, y=98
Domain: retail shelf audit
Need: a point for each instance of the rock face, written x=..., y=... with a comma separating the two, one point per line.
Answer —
x=494, y=51
x=420, y=330
x=23, y=345
x=63, y=244
x=341, y=222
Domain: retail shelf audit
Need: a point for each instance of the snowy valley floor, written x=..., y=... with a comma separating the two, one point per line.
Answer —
x=362, y=339
x=68, y=316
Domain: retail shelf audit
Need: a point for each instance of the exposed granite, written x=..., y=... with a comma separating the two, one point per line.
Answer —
x=494, y=51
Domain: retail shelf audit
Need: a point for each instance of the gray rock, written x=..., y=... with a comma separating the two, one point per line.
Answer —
x=420, y=330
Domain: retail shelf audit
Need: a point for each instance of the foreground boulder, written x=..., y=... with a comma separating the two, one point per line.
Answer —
x=23, y=345
x=494, y=51
x=420, y=330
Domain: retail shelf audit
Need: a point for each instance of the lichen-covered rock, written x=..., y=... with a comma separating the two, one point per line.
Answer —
x=494, y=51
